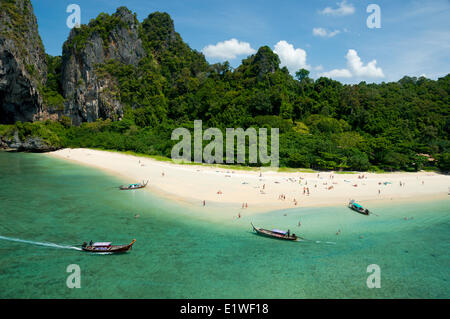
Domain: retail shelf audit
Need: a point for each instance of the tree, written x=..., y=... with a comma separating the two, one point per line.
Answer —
x=302, y=75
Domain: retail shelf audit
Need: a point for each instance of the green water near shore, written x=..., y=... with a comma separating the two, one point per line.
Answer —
x=182, y=253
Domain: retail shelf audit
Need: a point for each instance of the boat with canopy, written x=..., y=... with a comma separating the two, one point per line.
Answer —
x=106, y=247
x=358, y=208
x=133, y=186
x=275, y=233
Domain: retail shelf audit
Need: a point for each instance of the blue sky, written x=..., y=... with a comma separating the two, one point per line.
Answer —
x=330, y=38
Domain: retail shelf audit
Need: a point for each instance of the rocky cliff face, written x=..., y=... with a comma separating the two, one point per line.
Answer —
x=89, y=96
x=22, y=63
x=79, y=84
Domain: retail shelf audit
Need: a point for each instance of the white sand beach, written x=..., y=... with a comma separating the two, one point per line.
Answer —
x=260, y=191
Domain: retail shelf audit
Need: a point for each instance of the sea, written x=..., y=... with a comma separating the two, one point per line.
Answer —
x=49, y=207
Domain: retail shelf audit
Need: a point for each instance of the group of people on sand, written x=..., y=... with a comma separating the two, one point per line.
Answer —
x=282, y=197
x=244, y=205
x=306, y=191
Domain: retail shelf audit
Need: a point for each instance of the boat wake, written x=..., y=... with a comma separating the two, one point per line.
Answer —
x=39, y=243
x=325, y=242
x=319, y=242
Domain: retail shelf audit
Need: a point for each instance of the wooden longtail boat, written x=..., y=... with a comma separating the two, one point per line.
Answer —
x=358, y=208
x=275, y=233
x=106, y=247
x=133, y=186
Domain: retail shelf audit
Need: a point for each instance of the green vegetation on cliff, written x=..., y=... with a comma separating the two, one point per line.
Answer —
x=52, y=91
x=102, y=25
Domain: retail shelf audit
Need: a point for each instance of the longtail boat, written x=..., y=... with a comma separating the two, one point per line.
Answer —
x=106, y=247
x=275, y=233
x=358, y=208
x=133, y=186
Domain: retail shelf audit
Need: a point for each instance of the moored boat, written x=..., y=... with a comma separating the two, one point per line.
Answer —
x=275, y=233
x=358, y=208
x=106, y=247
x=133, y=186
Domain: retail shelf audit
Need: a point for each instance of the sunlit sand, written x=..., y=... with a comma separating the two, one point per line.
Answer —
x=260, y=191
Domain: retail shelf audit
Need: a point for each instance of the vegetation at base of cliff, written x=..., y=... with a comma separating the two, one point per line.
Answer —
x=324, y=125
x=51, y=133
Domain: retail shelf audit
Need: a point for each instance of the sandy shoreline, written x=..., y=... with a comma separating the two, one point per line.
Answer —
x=194, y=184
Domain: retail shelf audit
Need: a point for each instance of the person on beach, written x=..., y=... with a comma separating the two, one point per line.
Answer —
x=204, y=203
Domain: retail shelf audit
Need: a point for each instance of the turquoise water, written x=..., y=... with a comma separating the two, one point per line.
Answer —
x=48, y=205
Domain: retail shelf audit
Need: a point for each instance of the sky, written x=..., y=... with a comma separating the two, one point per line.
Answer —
x=330, y=38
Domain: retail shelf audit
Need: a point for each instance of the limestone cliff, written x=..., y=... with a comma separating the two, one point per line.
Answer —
x=23, y=69
x=114, y=37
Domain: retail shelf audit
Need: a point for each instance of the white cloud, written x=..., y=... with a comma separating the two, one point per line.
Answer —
x=228, y=50
x=319, y=68
x=343, y=9
x=293, y=59
x=321, y=32
x=337, y=73
x=356, y=68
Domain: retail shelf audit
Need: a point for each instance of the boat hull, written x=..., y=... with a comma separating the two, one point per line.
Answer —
x=364, y=212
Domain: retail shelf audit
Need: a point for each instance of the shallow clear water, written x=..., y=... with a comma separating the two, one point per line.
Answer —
x=48, y=205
